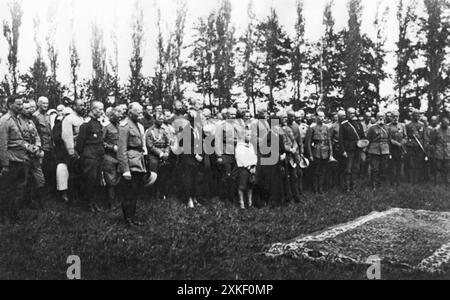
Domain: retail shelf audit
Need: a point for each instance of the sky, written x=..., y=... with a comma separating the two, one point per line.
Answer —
x=116, y=15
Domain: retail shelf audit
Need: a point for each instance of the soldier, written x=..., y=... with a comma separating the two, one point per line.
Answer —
x=379, y=138
x=319, y=149
x=91, y=149
x=149, y=117
x=227, y=136
x=13, y=157
x=158, y=147
x=440, y=140
x=297, y=132
x=397, y=133
x=338, y=169
x=415, y=132
x=292, y=159
x=70, y=129
x=31, y=137
x=131, y=158
x=111, y=172
x=44, y=128
x=350, y=132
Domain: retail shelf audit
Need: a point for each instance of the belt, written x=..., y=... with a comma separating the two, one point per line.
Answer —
x=139, y=149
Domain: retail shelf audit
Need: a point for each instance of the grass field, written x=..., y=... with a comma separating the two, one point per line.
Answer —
x=212, y=242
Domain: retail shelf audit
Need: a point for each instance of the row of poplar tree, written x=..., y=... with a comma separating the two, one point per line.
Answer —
x=345, y=68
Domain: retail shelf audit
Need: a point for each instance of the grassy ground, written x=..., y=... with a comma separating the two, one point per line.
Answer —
x=212, y=242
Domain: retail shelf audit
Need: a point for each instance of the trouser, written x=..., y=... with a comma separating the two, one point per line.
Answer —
x=14, y=185
x=397, y=166
x=337, y=170
x=132, y=190
x=379, y=165
x=75, y=179
x=320, y=170
x=292, y=184
x=443, y=168
x=49, y=170
x=35, y=193
x=352, y=168
x=228, y=183
x=415, y=163
x=92, y=177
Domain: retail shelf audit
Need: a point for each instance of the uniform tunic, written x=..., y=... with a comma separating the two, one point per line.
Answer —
x=110, y=163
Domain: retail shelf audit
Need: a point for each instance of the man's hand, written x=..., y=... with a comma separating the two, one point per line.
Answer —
x=283, y=157
x=345, y=155
x=199, y=158
x=116, y=149
x=220, y=160
x=311, y=159
x=127, y=176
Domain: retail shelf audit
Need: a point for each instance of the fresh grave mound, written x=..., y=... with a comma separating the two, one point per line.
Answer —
x=411, y=239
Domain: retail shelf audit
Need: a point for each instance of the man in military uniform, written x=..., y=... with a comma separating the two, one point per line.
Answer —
x=319, y=149
x=397, y=133
x=31, y=137
x=227, y=136
x=338, y=169
x=440, y=140
x=297, y=132
x=415, y=132
x=350, y=132
x=131, y=154
x=292, y=159
x=379, y=138
x=13, y=157
x=91, y=150
x=43, y=125
x=111, y=172
x=158, y=148
x=431, y=165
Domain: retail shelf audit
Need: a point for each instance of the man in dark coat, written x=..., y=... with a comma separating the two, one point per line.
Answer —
x=350, y=132
x=91, y=150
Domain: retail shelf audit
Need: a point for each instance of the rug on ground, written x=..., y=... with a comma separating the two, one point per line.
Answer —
x=410, y=239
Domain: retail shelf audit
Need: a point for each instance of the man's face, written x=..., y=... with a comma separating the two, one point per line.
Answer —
x=351, y=114
x=320, y=117
x=98, y=110
x=136, y=113
x=43, y=104
x=159, y=109
x=27, y=110
x=416, y=116
x=395, y=118
x=232, y=114
x=367, y=117
x=247, y=116
x=149, y=110
x=434, y=122
x=80, y=107
x=388, y=117
x=33, y=107
x=381, y=119
x=17, y=106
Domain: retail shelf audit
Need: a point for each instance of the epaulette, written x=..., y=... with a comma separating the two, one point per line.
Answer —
x=345, y=122
x=124, y=123
x=87, y=120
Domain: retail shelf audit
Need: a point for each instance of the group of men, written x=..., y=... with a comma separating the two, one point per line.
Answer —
x=106, y=159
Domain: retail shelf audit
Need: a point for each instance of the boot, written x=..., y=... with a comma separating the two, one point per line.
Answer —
x=316, y=185
x=347, y=183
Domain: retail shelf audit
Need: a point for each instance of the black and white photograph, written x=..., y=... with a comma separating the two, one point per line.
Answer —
x=214, y=141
